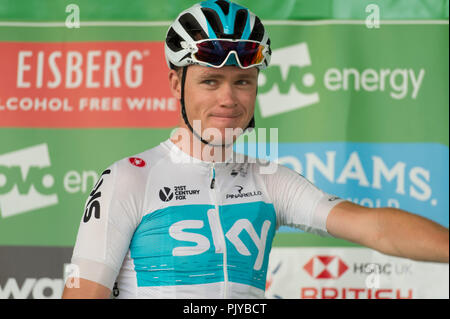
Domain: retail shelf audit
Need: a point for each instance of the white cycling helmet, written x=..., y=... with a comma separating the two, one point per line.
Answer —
x=216, y=20
x=215, y=33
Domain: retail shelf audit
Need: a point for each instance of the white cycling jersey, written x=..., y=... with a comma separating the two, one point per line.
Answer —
x=162, y=224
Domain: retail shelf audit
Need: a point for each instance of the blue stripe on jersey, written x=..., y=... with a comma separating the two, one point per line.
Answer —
x=176, y=245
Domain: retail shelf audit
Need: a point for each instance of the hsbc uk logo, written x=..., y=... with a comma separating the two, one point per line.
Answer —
x=26, y=181
x=325, y=267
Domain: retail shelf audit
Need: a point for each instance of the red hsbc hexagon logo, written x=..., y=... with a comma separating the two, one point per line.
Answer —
x=325, y=267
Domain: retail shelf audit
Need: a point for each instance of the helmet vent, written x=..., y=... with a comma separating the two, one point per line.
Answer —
x=173, y=40
x=192, y=27
x=258, y=31
x=240, y=22
x=214, y=21
x=224, y=5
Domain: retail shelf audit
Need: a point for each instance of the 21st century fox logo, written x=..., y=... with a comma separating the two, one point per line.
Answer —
x=26, y=182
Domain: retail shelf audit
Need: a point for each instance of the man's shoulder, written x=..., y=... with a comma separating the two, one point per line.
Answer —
x=139, y=164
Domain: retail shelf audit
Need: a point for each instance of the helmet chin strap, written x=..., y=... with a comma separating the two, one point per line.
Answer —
x=251, y=125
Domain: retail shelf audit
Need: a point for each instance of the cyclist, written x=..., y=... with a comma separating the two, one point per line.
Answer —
x=175, y=222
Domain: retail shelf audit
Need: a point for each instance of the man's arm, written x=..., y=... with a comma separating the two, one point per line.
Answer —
x=390, y=231
x=86, y=289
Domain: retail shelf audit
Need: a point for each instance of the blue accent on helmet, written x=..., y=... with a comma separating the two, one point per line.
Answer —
x=232, y=60
x=227, y=20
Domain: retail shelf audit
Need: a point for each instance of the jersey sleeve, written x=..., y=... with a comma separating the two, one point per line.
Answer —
x=107, y=225
x=297, y=202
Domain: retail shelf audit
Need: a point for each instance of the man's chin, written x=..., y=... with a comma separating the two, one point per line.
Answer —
x=222, y=136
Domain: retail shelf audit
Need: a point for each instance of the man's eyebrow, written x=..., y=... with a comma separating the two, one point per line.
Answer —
x=208, y=74
x=216, y=75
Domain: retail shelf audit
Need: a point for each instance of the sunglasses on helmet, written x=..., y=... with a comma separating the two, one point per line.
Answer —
x=216, y=52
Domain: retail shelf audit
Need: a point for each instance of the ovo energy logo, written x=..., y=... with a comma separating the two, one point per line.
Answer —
x=26, y=182
x=325, y=267
x=279, y=87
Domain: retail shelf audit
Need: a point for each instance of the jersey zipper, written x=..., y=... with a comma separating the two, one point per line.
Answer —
x=222, y=235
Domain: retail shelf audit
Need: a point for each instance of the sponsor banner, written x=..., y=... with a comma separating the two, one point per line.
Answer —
x=36, y=191
x=36, y=184
x=409, y=176
x=361, y=110
x=312, y=95
x=412, y=176
x=33, y=272
x=83, y=84
x=352, y=273
x=356, y=93
x=44, y=183
x=155, y=10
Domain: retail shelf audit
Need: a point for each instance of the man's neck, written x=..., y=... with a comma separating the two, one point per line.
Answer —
x=191, y=145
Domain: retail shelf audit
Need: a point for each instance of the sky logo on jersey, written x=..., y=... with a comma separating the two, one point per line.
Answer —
x=184, y=245
x=26, y=181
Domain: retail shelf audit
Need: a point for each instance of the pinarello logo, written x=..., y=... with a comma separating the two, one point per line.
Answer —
x=325, y=267
x=136, y=161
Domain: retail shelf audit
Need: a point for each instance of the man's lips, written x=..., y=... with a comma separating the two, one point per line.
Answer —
x=229, y=116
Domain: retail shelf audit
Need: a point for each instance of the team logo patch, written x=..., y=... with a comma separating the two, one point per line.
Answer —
x=136, y=161
x=241, y=194
x=181, y=193
x=165, y=194
x=93, y=205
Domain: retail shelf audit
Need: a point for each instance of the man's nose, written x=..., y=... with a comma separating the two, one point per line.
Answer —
x=227, y=96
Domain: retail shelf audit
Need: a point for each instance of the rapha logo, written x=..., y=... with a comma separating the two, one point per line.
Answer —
x=325, y=267
x=280, y=85
x=26, y=182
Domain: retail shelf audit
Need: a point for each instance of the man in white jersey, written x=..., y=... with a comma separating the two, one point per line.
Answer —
x=189, y=218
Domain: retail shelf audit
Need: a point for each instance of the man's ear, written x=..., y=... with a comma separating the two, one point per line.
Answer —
x=175, y=84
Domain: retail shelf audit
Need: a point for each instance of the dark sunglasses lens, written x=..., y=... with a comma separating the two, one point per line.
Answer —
x=248, y=53
x=210, y=52
x=215, y=52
